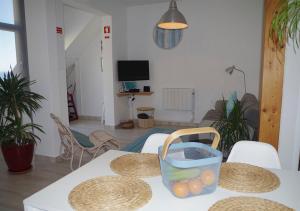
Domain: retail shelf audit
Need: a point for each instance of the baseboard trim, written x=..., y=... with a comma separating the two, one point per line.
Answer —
x=90, y=118
x=183, y=124
x=167, y=123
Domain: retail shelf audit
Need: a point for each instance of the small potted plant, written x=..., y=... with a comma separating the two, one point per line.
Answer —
x=232, y=126
x=17, y=137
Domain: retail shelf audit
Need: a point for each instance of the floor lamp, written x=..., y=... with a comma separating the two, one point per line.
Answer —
x=230, y=70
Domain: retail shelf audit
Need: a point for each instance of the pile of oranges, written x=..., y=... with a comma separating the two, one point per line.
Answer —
x=193, y=186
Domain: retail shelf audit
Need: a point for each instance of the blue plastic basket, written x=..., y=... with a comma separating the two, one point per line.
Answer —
x=190, y=169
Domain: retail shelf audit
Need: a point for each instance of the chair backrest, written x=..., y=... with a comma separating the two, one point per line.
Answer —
x=255, y=153
x=64, y=132
x=153, y=142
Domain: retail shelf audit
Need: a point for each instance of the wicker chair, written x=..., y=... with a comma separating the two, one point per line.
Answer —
x=70, y=145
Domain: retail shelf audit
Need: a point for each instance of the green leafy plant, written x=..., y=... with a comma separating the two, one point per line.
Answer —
x=286, y=22
x=232, y=127
x=16, y=100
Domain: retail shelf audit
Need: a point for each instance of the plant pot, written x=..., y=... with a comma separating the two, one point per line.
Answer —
x=18, y=158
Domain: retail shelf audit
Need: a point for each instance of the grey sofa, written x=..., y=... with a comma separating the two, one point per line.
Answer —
x=251, y=107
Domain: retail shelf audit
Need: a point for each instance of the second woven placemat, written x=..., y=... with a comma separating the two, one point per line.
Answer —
x=110, y=193
x=136, y=165
x=248, y=204
x=247, y=178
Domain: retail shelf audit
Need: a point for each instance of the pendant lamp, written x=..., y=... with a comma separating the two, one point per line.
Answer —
x=172, y=19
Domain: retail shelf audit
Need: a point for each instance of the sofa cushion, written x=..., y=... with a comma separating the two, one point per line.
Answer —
x=212, y=115
x=219, y=106
x=249, y=101
x=251, y=109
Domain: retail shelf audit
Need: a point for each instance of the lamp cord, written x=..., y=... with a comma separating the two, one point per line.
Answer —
x=244, y=78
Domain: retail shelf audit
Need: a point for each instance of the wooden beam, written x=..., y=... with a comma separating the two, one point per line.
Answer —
x=271, y=82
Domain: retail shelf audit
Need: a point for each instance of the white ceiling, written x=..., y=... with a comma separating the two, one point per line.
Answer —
x=141, y=2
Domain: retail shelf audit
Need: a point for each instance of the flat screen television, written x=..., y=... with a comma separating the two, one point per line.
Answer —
x=133, y=70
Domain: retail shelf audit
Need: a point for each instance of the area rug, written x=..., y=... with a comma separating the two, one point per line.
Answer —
x=138, y=144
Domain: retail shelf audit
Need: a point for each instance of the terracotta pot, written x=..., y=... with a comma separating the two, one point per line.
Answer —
x=18, y=158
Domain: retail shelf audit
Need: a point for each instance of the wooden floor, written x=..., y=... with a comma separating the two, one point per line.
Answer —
x=14, y=188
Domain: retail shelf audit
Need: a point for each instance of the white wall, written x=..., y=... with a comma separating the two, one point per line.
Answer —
x=108, y=77
x=289, y=138
x=47, y=67
x=71, y=16
x=221, y=33
x=46, y=57
x=116, y=108
x=91, y=81
x=85, y=53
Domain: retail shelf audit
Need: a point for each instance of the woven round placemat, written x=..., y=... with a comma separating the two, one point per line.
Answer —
x=110, y=193
x=247, y=178
x=136, y=165
x=244, y=203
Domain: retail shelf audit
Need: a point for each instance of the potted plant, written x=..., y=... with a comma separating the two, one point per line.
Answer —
x=17, y=137
x=232, y=126
x=286, y=22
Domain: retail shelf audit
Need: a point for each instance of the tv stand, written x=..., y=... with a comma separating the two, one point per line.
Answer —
x=131, y=98
x=122, y=94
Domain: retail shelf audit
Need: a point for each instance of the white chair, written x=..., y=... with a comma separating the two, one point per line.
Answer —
x=153, y=142
x=255, y=153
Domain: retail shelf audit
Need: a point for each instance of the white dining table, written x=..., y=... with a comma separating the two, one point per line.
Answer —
x=55, y=196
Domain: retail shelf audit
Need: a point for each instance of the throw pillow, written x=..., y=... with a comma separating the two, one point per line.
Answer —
x=230, y=103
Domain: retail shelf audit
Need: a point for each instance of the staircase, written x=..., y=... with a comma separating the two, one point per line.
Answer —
x=72, y=108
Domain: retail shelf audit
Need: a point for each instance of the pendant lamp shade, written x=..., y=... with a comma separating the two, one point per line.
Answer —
x=172, y=19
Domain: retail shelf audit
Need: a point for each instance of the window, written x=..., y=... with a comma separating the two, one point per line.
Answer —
x=7, y=51
x=13, y=55
x=7, y=11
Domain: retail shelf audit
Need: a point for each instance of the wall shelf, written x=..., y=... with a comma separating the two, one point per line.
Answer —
x=121, y=94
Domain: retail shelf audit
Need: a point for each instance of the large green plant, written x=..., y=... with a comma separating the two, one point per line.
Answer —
x=232, y=127
x=16, y=102
x=286, y=22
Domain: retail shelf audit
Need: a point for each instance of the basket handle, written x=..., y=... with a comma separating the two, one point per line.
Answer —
x=190, y=131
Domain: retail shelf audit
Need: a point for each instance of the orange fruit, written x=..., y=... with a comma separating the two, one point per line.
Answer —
x=195, y=186
x=208, y=177
x=180, y=189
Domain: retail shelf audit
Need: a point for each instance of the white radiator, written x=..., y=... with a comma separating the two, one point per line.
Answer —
x=181, y=99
